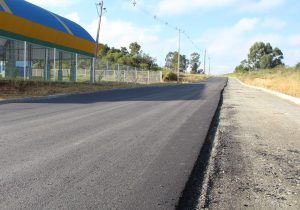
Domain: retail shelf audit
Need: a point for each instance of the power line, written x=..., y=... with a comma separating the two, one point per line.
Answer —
x=166, y=23
x=174, y=27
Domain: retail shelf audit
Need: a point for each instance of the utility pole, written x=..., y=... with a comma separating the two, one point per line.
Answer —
x=204, y=62
x=100, y=4
x=178, y=69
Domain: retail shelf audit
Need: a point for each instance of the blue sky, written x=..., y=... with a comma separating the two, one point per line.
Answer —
x=226, y=28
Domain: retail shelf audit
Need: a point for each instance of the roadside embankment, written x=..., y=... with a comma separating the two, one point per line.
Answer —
x=282, y=80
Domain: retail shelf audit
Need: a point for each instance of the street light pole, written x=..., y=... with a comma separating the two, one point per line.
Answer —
x=97, y=38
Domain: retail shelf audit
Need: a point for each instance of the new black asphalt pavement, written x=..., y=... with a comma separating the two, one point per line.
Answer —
x=120, y=149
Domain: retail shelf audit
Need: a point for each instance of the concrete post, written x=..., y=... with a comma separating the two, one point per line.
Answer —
x=93, y=67
x=25, y=61
x=73, y=68
x=29, y=67
x=54, y=64
x=47, y=75
x=60, y=73
x=10, y=68
x=136, y=75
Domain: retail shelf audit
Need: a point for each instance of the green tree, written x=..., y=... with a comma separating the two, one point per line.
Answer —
x=135, y=48
x=172, y=61
x=297, y=66
x=195, y=62
x=263, y=55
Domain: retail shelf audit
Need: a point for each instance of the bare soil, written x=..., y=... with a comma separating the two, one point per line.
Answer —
x=256, y=160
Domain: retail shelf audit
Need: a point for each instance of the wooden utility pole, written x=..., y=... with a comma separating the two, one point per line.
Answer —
x=97, y=38
x=178, y=69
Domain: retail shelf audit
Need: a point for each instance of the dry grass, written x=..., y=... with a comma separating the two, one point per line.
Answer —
x=283, y=80
x=18, y=89
x=187, y=78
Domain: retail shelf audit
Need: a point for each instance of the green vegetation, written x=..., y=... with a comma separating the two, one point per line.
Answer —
x=264, y=68
x=261, y=56
x=170, y=76
x=133, y=57
x=172, y=62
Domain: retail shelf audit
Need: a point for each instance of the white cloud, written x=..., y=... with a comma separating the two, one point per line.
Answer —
x=229, y=40
x=74, y=16
x=175, y=7
x=228, y=46
x=182, y=6
x=119, y=33
x=274, y=23
x=294, y=40
x=260, y=6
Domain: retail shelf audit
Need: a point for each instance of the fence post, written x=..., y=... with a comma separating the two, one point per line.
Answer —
x=148, y=81
x=76, y=69
x=160, y=77
x=25, y=60
x=136, y=76
x=54, y=64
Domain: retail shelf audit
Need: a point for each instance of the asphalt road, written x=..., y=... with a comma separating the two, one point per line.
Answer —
x=122, y=149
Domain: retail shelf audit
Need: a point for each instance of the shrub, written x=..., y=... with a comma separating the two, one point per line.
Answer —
x=169, y=76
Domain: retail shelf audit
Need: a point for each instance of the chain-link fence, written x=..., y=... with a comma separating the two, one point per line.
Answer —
x=107, y=71
x=24, y=60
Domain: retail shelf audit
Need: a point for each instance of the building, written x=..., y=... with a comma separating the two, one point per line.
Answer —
x=38, y=44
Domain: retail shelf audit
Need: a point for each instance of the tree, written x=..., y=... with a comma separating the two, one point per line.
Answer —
x=297, y=66
x=172, y=61
x=263, y=55
x=134, y=48
x=195, y=62
x=243, y=67
x=135, y=57
x=124, y=51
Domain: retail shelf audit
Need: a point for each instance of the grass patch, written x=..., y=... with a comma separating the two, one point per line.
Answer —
x=285, y=80
x=10, y=89
x=187, y=78
x=171, y=77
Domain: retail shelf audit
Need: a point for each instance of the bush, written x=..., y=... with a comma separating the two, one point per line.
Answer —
x=241, y=69
x=169, y=76
x=297, y=66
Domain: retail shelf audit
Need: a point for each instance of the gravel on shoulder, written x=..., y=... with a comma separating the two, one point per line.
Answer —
x=255, y=163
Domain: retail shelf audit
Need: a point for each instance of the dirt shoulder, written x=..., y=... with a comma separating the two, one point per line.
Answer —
x=256, y=162
x=12, y=89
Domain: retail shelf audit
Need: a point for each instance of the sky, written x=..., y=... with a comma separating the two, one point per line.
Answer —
x=225, y=28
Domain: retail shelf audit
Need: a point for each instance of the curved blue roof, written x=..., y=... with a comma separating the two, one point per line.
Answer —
x=44, y=17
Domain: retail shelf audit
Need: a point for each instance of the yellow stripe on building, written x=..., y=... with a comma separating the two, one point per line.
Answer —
x=63, y=24
x=5, y=7
x=21, y=26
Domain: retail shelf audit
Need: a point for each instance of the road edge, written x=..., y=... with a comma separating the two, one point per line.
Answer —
x=196, y=189
x=35, y=98
x=276, y=93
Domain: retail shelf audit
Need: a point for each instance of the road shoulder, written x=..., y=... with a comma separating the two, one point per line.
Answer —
x=256, y=159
